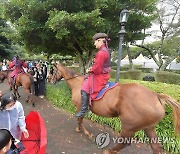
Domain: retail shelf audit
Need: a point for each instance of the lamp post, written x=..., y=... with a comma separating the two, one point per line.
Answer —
x=123, y=20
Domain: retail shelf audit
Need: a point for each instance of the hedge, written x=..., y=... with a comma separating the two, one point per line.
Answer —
x=131, y=74
x=60, y=95
x=168, y=77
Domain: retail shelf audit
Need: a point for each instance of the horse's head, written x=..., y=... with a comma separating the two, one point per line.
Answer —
x=55, y=76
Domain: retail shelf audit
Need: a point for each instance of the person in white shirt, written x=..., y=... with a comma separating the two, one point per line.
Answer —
x=12, y=116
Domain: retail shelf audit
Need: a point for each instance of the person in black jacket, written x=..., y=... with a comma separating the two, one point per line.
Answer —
x=42, y=81
x=36, y=80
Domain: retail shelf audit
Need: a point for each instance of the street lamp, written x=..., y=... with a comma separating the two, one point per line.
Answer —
x=123, y=20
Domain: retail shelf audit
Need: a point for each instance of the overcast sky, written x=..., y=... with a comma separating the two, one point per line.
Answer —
x=168, y=6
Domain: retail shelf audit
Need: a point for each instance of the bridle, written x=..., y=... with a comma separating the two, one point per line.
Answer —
x=57, y=73
x=54, y=75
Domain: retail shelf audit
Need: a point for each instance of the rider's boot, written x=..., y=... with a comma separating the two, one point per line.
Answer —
x=12, y=84
x=84, y=105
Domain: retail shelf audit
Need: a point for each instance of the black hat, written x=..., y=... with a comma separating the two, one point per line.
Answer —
x=100, y=35
x=6, y=99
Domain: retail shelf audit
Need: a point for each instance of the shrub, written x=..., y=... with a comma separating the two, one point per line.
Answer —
x=134, y=74
x=113, y=63
x=131, y=74
x=168, y=77
x=146, y=70
x=113, y=74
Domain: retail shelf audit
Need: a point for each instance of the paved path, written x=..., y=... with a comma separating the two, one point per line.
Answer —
x=62, y=137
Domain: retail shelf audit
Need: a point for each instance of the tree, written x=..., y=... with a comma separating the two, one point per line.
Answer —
x=169, y=24
x=67, y=27
x=5, y=44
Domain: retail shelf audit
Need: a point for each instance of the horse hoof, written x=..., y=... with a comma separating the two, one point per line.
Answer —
x=109, y=152
x=33, y=104
x=78, y=130
x=27, y=101
x=91, y=137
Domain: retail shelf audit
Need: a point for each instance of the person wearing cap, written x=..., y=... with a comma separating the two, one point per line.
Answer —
x=12, y=116
x=18, y=64
x=98, y=73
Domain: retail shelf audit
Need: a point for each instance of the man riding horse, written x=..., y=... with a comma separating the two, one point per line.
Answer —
x=99, y=73
x=18, y=64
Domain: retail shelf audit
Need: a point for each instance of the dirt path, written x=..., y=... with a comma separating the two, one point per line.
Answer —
x=62, y=137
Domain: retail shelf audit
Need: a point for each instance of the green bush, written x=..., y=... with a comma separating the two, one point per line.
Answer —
x=146, y=70
x=60, y=95
x=113, y=74
x=167, y=77
x=134, y=74
x=113, y=63
x=125, y=68
x=131, y=74
x=174, y=71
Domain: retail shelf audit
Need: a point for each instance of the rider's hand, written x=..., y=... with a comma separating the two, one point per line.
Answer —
x=89, y=70
x=25, y=132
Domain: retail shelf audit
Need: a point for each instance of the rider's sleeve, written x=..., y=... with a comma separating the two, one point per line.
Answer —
x=100, y=59
x=25, y=65
x=11, y=65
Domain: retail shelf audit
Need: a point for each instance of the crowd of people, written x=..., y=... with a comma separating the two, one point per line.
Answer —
x=12, y=123
x=38, y=69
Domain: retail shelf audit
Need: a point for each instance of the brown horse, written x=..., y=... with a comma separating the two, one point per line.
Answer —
x=137, y=107
x=25, y=80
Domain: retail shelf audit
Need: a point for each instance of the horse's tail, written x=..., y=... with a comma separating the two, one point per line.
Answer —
x=176, y=110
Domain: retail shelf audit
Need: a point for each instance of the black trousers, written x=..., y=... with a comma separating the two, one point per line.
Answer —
x=42, y=88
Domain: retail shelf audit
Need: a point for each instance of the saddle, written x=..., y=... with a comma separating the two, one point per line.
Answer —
x=108, y=86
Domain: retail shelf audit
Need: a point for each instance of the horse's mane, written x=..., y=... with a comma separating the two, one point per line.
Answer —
x=70, y=71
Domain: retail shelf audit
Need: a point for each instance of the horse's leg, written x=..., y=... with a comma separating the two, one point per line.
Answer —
x=125, y=135
x=28, y=93
x=31, y=99
x=81, y=127
x=14, y=91
x=157, y=147
x=17, y=92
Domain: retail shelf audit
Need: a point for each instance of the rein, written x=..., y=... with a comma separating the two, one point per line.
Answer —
x=73, y=77
x=57, y=72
